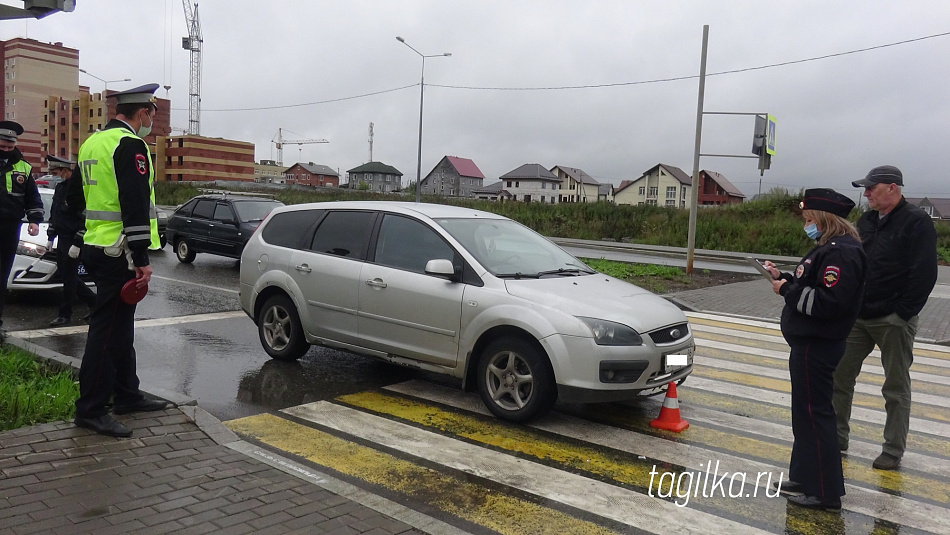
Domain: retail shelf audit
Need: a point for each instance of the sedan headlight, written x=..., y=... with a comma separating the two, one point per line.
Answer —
x=609, y=333
x=27, y=248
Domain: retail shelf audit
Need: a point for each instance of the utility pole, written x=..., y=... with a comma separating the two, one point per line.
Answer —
x=694, y=192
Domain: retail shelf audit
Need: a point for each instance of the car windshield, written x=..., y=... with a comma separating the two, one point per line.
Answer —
x=255, y=210
x=509, y=249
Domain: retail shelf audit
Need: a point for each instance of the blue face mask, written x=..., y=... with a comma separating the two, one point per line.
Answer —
x=812, y=231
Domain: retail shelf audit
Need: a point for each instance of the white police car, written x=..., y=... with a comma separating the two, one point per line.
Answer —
x=33, y=268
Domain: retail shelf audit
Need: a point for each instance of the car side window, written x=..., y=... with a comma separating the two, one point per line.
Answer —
x=223, y=213
x=344, y=233
x=204, y=209
x=288, y=229
x=186, y=208
x=406, y=243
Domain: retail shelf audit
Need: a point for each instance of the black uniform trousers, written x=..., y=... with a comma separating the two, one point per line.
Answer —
x=9, y=240
x=73, y=287
x=108, y=365
x=816, y=459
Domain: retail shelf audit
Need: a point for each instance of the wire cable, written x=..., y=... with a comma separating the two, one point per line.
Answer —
x=592, y=86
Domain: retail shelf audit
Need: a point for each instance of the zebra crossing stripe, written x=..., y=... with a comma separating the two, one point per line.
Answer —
x=900, y=510
x=602, y=499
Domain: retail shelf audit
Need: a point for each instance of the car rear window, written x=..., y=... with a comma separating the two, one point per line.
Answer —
x=204, y=209
x=255, y=210
x=288, y=229
x=344, y=233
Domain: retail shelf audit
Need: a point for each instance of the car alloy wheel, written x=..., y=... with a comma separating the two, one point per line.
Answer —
x=515, y=380
x=280, y=331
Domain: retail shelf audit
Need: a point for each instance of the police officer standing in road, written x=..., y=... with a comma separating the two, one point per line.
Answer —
x=821, y=305
x=19, y=197
x=901, y=243
x=118, y=180
x=70, y=225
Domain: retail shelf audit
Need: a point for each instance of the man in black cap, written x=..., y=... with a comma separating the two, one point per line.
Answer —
x=70, y=225
x=19, y=196
x=121, y=226
x=901, y=245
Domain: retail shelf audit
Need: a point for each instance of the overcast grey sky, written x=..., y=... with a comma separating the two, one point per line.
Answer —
x=275, y=64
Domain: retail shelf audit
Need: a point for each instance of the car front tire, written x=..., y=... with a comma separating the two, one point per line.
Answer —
x=184, y=252
x=280, y=331
x=515, y=380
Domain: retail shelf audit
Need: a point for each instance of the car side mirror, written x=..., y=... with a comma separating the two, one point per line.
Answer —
x=441, y=267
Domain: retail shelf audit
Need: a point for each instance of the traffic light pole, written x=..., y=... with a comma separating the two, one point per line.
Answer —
x=691, y=239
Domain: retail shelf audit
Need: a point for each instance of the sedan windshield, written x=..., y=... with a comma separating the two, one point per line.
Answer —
x=255, y=210
x=509, y=249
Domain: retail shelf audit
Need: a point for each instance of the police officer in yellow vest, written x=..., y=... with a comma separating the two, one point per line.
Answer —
x=18, y=196
x=121, y=226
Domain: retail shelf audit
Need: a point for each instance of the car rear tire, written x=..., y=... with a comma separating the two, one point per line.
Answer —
x=278, y=326
x=515, y=380
x=184, y=252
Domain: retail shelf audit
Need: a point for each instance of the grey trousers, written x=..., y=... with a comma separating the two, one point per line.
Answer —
x=895, y=338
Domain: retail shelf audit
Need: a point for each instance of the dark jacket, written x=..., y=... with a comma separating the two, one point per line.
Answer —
x=24, y=199
x=823, y=296
x=65, y=220
x=902, y=261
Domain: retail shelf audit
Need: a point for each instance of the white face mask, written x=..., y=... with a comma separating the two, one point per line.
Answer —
x=145, y=130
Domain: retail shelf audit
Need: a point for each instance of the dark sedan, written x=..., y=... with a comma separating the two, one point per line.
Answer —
x=218, y=224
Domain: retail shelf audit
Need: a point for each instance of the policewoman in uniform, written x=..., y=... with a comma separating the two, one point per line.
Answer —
x=18, y=197
x=121, y=227
x=822, y=300
x=69, y=224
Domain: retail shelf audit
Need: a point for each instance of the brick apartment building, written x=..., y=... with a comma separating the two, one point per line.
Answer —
x=191, y=158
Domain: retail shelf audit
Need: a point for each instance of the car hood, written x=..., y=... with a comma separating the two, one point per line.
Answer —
x=600, y=296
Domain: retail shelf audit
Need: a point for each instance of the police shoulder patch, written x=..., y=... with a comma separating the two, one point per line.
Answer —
x=141, y=164
x=831, y=276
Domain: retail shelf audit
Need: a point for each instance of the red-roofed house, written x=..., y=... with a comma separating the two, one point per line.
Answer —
x=453, y=177
x=715, y=189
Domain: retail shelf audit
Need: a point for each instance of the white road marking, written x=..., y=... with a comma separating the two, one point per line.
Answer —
x=639, y=510
x=157, y=322
x=218, y=288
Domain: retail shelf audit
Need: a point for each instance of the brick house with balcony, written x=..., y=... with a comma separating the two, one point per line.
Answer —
x=715, y=189
x=576, y=185
x=661, y=185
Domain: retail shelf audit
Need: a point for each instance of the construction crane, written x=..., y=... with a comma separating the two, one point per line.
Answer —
x=280, y=142
x=193, y=44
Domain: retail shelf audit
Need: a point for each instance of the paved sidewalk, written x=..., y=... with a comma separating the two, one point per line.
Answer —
x=182, y=472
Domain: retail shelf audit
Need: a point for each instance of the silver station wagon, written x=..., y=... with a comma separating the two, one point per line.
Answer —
x=462, y=292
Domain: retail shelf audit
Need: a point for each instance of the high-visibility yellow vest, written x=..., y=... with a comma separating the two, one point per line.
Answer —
x=103, y=213
x=19, y=167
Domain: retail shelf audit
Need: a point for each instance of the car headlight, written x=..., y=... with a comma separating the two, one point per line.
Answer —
x=609, y=333
x=27, y=248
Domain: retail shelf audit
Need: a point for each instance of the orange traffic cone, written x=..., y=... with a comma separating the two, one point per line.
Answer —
x=669, y=418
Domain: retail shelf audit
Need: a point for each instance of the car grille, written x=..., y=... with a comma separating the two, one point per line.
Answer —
x=670, y=334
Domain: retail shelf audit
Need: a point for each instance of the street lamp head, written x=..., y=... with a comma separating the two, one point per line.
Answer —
x=400, y=39
x=447, y=54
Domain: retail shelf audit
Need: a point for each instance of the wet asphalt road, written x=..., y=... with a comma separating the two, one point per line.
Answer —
x=218, y=362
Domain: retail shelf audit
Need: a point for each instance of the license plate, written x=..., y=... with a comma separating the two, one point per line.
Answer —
x=676, y=361
x=81, y=270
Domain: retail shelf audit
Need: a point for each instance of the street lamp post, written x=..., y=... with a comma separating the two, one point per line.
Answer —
x=105, y=82
x=422, y=89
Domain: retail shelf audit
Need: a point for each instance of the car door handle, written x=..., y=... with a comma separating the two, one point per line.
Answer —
x=376, y=283
x=304, y=267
